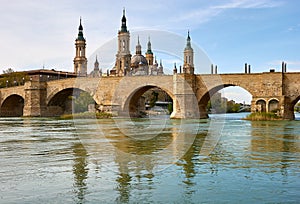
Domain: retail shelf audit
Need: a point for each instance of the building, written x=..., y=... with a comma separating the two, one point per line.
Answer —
x=125, y=63
x=80, y=61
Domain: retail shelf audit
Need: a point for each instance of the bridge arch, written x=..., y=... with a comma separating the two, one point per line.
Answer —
x=62, y=102
x=12, y=106
x=131, y=104
x=292, y=108
x=273, y=105
x=206, y=97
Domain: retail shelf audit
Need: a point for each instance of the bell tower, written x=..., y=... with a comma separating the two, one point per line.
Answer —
x=80, y=61
x=149, y=53
x=188, y=65
x=123, y=56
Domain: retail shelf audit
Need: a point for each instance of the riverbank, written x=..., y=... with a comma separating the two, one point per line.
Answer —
x=86, y=115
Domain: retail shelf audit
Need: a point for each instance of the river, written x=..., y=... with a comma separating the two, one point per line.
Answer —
x=219, y=160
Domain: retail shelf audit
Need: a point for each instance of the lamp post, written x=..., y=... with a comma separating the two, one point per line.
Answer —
x=6, y=83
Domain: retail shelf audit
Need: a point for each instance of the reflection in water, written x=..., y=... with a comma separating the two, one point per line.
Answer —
x=80, y=170
x=99, y=162
x=275, y=143
x=276, y=137
x=123, y=188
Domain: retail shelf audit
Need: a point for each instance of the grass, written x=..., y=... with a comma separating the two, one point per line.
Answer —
x=262, y=116
x=86, y=115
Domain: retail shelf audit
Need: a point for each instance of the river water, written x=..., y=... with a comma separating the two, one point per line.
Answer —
x=219, y=160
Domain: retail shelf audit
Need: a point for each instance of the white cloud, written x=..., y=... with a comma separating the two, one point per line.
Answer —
x=203, y=14
x=249, y=4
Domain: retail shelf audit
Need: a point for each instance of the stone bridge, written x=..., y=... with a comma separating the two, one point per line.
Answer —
x=271, y=91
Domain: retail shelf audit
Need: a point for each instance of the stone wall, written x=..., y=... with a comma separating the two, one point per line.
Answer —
x=190, y=93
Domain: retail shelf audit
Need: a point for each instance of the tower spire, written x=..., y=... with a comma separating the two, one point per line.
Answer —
x=80, y=31
x=96, y=63
x=138, y=47
x=149, y=51
x=123, y=26
x=188, y=41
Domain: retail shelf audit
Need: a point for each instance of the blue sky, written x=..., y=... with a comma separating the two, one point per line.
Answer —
x=231, y=32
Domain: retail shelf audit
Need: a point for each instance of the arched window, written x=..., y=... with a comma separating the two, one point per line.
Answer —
x=261, y=105
x=273, y=105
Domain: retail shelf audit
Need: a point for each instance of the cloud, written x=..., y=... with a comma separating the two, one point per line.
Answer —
x=205, y=13
x=249, y=4
x=293, y=28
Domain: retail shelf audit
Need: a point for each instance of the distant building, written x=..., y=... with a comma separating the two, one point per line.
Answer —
x=125, y=63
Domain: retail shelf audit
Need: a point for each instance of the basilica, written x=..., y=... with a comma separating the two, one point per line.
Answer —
x=125, y=63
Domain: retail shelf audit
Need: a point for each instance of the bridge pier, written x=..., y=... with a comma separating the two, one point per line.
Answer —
x=35, y=99
x=185, y=104
x=287, y=109
x=283, y=106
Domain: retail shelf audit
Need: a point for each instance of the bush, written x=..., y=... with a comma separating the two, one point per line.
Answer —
x=260, y=116
x=86, y=115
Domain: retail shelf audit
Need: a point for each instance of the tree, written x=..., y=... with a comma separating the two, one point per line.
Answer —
x=153, y=99
x=8, y=71
x=82, y=102
x=12, y=78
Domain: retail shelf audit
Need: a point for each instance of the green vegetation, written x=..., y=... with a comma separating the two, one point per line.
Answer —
x=11, y=78
x=82, y=102
x=223, y=106
x=262, y=116
x=170, y=108
x=153, y=99
x=86, y=115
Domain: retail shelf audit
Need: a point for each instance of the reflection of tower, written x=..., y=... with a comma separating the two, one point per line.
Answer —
x=79, y=170
x=149, y=54
x=188, y=65
x=123, y=56
x=80, y=61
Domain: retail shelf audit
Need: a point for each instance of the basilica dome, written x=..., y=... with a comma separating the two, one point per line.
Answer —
x=137, y=60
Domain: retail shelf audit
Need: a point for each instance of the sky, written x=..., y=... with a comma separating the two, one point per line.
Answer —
x=230, y=33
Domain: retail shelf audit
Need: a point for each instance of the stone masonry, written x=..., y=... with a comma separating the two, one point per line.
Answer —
x=271, y=91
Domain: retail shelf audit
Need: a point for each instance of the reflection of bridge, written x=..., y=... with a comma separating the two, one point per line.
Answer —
x=271, y=91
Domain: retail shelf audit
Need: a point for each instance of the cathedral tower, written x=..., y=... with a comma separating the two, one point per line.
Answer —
x=188, y=65
x=80, y=61
x=123, y=56
x=149, y=53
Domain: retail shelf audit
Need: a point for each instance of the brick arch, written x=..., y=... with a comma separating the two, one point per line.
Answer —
x=12, y=106
x=294, y=102
x=60, y=102
x=210, y=91
x=130, y=105
x=54, y=87
x=273, y=104
x=129, y=90
x=57, y=91
x=6, y=92
x=261, y=105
